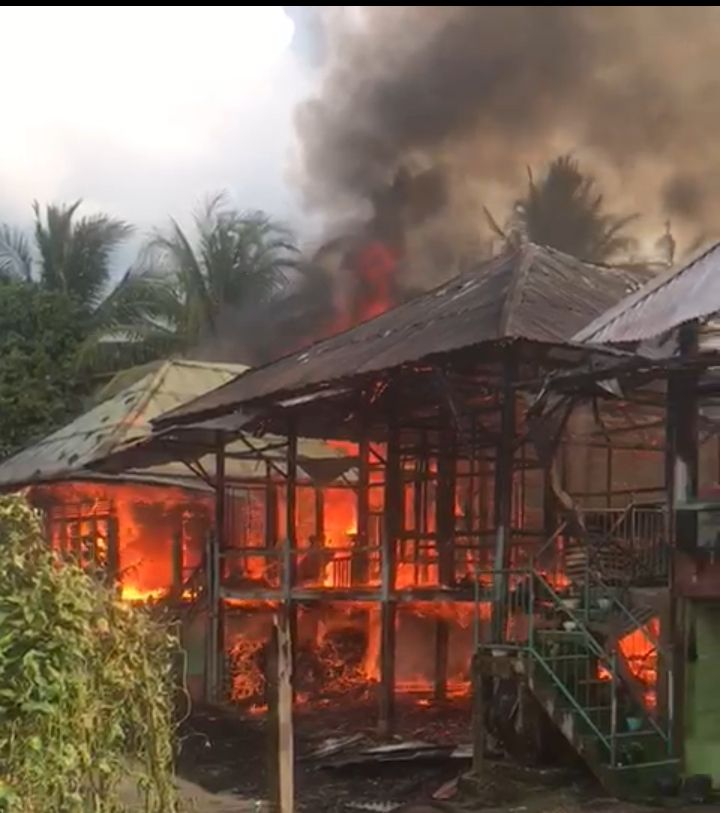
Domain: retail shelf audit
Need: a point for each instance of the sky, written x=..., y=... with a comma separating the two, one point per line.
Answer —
x=144, y=111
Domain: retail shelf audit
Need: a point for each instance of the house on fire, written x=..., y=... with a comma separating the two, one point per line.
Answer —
x=149, y=528
x=459, y=521
x=671, y=326
x=534, y=468
x=556, y=479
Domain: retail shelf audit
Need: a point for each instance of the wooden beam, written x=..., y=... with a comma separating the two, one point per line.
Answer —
x=682, y=485
x=503, y=501
x=393, y=525
x=177, y=563
x=360, y=572
x=285, y=793
x=320, y=515
x=478, y=715
x=215, y=549
x=290, y=550
x=113, y=549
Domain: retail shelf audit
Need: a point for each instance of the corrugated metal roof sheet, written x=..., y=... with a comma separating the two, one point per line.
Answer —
x=664, y=303
x=533, y=292
x=124, y=421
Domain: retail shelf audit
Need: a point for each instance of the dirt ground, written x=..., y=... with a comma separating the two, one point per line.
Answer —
x=224, y=758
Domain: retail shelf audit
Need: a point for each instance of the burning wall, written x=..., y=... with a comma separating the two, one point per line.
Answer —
x=148, y=521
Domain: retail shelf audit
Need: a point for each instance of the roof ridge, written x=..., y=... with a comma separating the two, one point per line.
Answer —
x=519, y=273
x=122, y=426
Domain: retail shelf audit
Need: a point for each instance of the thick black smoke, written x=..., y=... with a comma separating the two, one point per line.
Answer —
x=476, y=93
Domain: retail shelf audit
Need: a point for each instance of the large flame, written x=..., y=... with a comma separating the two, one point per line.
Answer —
x=370, y=292
x=148, y=521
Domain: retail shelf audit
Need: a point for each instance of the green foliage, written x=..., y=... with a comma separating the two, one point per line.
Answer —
x=566, y=210
x=72, y=256
x=237, y=258
x=86, y=684
x=40, y=332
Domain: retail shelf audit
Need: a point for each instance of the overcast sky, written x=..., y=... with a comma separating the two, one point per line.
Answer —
x=143, y=111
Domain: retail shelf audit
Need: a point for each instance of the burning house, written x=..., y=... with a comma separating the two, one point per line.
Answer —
x=457, y=520
x=671, y=327
x=149, y=529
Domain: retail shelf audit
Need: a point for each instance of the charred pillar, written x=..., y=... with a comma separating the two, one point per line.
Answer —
x=113, y=550
x=177, y=564
x=392, y=526
x=361, y=559
x=478, y=714
x=445, y=524
x=215, y=551
x=682, y=486
x=271, y=510
x=281, y=761
x=320, y=515
x=290, y=547
x=503, y=503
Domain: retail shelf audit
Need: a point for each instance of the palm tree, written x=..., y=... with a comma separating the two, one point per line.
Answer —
x=565, y=210
x=237, y=259
x=73, y=256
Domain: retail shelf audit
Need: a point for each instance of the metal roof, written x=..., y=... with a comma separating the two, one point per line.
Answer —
x=664, y=303
x=532, y=292
x=123, y=422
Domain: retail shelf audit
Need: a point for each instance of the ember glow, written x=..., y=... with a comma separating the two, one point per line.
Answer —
x=338, y=651
x=641, y=656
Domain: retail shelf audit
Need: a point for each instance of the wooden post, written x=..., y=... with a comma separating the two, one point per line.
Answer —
x=211, y=665
x=271, y=510
x=682, y=485
x=281, y=745
x=320, y=515
x=214, y=559
x=177, y=564
x=113, y=550
x=393, y=516
x=445, y=524
x=608, y=474
x=290, y=550
x=478, y=716
x=503, y=503
x=361, y=560
x=286, y=762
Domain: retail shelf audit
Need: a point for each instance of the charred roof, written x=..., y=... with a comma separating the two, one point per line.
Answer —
x=530, y=292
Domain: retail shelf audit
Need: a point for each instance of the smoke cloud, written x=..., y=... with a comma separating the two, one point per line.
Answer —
x=472, y=95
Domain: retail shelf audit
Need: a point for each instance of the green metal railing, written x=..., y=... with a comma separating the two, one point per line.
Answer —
x=586, y=673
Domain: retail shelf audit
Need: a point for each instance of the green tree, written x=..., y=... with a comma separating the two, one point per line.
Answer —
x=72, y=256
x=566, y=210
x=40, y=334
x=234, y=258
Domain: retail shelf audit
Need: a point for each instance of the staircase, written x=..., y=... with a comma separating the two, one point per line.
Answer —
x=575, y=657
x=589, y=692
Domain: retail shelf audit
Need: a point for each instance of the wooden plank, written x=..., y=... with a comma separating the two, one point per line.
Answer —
x=360, y=572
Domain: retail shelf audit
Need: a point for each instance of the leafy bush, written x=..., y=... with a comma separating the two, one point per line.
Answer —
x=86, y=684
